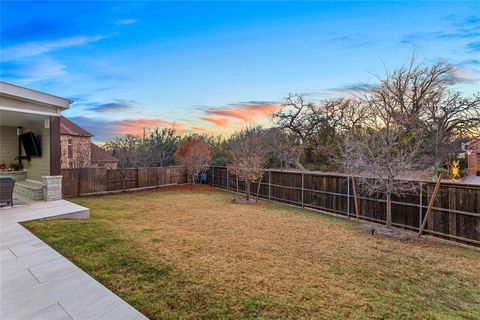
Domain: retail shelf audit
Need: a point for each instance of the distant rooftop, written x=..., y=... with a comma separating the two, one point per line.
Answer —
x=100, y=155
x=70, y=128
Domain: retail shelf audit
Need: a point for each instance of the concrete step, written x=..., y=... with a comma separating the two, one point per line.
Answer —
x=29, y=189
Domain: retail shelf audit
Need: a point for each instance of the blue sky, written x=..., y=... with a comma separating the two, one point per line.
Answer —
x=212, y=66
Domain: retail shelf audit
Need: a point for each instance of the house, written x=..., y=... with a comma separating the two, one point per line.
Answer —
x=474, y=157
x=77, y=150
x=30, y=140
x=101, y=158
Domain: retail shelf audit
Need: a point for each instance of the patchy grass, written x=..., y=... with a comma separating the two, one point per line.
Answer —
x=195, y=255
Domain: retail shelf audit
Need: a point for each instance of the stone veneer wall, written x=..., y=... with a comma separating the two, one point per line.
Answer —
x=52, y=188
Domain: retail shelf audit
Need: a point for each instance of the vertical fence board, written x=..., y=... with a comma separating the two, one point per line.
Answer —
x=98, y=180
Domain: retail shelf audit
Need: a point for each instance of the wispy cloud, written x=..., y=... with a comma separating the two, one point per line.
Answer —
x=221, y=122
x=461, y=75
x=137, y=126
x=124, y=22
x=31, y=71
x=461, y=28
x=117, y=106
x=352, y=88
x=349, y=40
x=469, y=62
x=200, y=129
x=474, y=46
x=107, y=129
x=244, y=111
x=35, y=48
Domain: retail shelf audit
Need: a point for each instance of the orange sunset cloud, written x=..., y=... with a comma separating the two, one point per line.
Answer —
x=221, y=122
x=137, y=126
x=245, y=112
x=201, y=129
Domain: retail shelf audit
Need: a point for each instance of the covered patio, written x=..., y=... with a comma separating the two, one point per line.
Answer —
x=30, y=141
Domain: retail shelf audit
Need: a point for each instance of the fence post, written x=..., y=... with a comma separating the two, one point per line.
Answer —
x=228, y=181
x=355, y=198
x=213, y=176
x=138, y=177
x=348, y=197
x=420, y=211
x=303, y=189
x=269, y=184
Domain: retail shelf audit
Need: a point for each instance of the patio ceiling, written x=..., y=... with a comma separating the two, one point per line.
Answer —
x=19, y=119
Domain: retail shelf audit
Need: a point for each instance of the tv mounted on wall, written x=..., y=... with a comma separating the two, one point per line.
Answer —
x=30, y=145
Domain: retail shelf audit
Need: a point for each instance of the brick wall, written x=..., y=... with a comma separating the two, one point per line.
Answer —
x=80, y=151
x=474, y=159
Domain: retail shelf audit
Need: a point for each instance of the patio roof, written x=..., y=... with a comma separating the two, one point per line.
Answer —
x=30, y=95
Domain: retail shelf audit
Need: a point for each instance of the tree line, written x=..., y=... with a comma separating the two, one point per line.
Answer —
x=409, y=124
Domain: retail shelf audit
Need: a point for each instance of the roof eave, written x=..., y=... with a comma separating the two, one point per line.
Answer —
x=30, y=95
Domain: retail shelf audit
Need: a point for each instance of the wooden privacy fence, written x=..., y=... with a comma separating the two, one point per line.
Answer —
x=101, y=180
x=455, y=215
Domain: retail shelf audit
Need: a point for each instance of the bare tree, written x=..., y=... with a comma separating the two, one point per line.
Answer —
x=287, y=148
x=250, y=149
x=385, y=158
x=419, y=96
x=157, y=150
x=390, y=143
x=449, y=121
x=318, y=127
x=80, y=163
x=422, y=98
x=195, y=155
x=125, y=150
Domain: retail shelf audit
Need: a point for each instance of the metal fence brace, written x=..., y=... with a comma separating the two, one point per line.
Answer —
x=420, y=206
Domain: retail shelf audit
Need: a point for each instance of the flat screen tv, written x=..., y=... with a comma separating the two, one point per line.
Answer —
x=30, y=145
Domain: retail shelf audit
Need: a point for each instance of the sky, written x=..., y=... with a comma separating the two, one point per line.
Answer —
x=213, y=67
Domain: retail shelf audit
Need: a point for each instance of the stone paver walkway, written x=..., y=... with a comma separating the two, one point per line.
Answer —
x=36, y=282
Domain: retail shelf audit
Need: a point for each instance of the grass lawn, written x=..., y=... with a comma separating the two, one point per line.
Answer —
x=195, y=255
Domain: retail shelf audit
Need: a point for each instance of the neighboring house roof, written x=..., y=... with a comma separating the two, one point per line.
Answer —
x=100, y=155
x=70, y=128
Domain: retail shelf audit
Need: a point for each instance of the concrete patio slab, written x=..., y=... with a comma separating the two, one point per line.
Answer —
x=39, y=283
x=52, y=312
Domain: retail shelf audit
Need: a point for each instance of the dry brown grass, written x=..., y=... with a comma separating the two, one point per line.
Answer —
x=273, y=261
